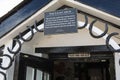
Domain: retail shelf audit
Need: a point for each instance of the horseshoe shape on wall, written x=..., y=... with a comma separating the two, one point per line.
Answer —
x=108, y=39
x=86, y=22
x=5, y=78
x=32, y=34
x=10, y=64
x=35, y=25
x=15, y=52
x=97, y=36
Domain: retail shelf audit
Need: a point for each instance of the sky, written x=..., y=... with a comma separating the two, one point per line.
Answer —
x=7, y=5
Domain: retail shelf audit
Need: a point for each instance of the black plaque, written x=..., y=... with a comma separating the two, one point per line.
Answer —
x=60, y=21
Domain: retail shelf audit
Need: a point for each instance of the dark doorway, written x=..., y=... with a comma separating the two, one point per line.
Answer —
x=70, y=70
x=92, y=71
x=62, y=67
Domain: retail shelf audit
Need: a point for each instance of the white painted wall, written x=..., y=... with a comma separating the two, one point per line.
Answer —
x=82, y=38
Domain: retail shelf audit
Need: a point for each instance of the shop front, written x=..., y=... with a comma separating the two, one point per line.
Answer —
x=64, y=40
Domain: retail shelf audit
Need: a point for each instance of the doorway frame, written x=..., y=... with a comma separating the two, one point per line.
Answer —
x=100, y=51
x=110, y=58
x=27, y=60
x=96, y=51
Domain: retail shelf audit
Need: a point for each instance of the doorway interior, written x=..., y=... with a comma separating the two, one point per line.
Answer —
x=61, y=67
x=70, y=70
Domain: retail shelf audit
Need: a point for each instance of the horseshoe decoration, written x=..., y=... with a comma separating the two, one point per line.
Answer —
x=108, y=39
x=3, y=75
x=86, y=22
x=97, y=36
x=10, y=64
x=15, y=52
x=35, y=25
x=32, y=34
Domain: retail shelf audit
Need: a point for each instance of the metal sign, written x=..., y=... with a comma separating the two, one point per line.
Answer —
x=61, y=21
x=79, y=55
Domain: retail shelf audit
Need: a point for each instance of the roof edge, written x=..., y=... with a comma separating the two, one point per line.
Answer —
x=93, y=11
x=14, y=10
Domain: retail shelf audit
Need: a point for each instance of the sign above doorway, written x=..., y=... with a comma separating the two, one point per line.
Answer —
x=60, y=21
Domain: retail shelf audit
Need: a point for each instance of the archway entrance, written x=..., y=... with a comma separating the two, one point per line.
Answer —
x=28, y=34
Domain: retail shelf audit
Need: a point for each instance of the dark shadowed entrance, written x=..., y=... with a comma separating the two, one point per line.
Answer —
x=60, y=67
x=84, y=69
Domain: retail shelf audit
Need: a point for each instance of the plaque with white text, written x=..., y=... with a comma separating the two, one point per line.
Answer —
x=60, y=22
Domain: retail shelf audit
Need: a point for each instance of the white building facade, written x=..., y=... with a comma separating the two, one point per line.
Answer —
x=93, y=53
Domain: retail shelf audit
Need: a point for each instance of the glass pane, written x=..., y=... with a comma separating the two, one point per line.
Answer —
x=30, y=73
x=35, y=74
x=46, y=76
x=39, y=75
